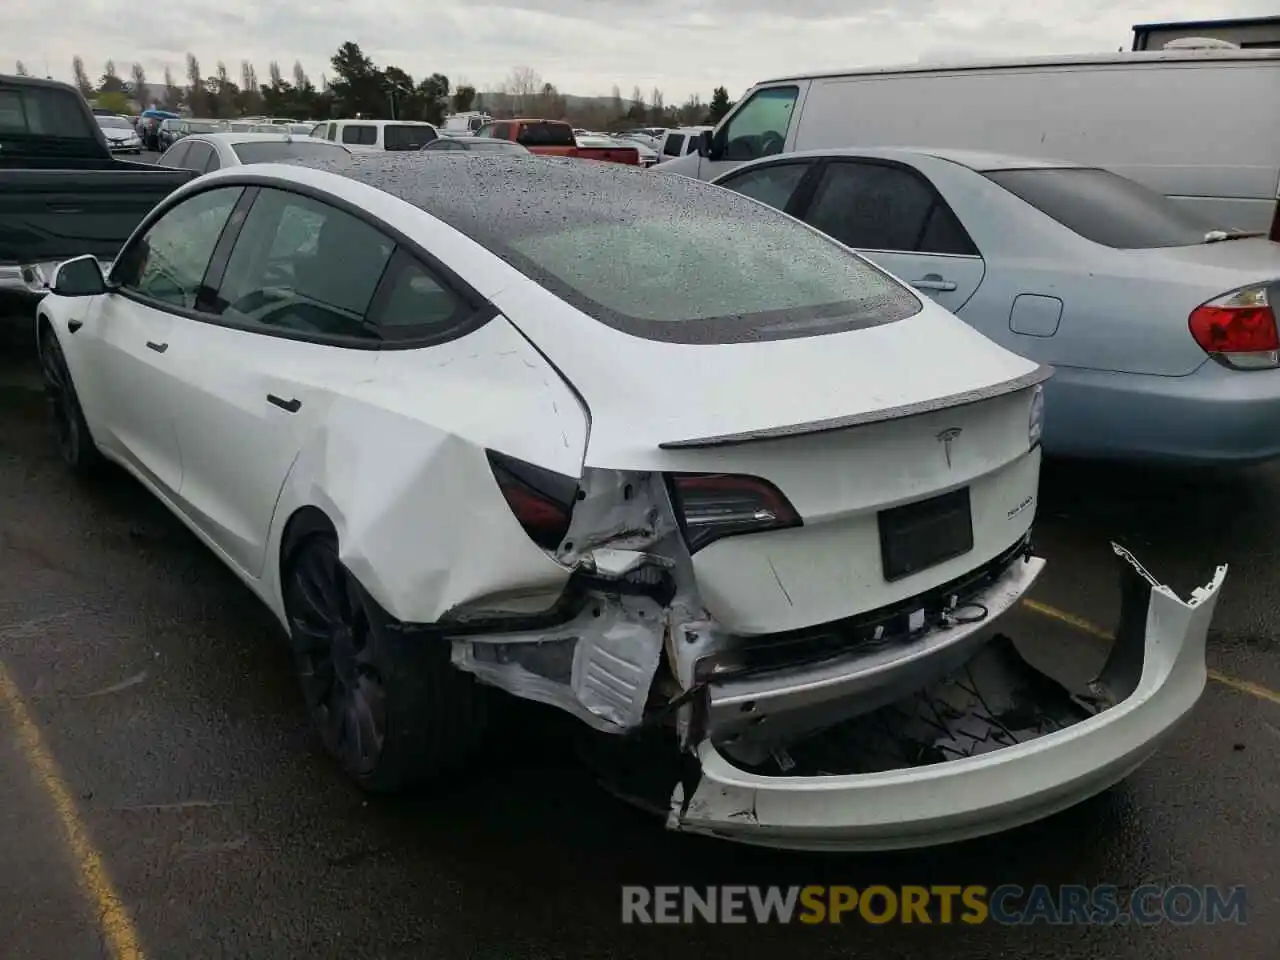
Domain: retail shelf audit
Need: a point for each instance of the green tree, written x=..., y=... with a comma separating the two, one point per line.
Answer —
x=432, y=97
x=110, y=82
x=116, y=101
x=464, y=98
x=403, y=102
x=81, y=77
x=357, y=85
x=140, y=91
x=720, y=105
x=196, y=98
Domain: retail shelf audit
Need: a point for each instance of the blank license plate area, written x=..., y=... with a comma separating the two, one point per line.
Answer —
x=920, y=535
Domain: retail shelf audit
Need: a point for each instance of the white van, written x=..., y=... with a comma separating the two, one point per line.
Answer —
x=374, y=136
x=1202, y=126
x=680, y=142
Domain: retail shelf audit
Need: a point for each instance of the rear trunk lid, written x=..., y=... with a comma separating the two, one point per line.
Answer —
x=845, y=425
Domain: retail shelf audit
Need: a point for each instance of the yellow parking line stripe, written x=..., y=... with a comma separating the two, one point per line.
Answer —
x=116, y=925
x=1086, y=626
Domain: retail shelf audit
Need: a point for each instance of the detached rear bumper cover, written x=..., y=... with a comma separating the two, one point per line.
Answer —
x=1016, y=774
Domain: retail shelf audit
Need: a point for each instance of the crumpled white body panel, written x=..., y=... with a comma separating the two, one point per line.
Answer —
x=399, y=466
x=1162, y=677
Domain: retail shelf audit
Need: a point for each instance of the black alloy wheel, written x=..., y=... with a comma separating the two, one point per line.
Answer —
x=336, y=653
x=75, y=443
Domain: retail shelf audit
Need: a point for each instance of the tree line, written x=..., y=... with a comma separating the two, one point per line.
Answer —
x=356, y=86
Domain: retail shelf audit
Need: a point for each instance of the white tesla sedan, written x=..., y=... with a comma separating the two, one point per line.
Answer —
x=645, y=450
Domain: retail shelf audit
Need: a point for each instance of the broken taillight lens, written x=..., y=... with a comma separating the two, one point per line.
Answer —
x=711, y=506
x=541, y=499
x=1239, y=329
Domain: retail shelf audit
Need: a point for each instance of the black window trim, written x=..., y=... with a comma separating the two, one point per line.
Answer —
x=481, y=310
x=824, y=162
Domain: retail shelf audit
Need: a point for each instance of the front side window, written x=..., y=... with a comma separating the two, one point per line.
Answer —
x=198, y=157
x=361, y=134
x=1105, y=208
x=773, y=184
x=872, y=206
x=169, y=261
x=759, y=128
x=673, y=146
x=303, y=266
x=176, y=155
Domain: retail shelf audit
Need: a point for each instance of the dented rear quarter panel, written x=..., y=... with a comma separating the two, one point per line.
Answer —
x=399, y=467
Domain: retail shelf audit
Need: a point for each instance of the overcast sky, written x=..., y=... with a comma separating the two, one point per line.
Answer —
x=582, y=46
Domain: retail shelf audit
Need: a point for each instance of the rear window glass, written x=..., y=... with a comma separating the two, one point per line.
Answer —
x=43, y=112
x=675, y=141
x=273, y=151
x=1105, y=208
x=545, y=135
x=405, y=137
x=711, y=267
x=115, y=123
x=202, y=126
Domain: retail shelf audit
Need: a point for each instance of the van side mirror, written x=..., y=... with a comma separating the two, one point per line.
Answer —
x=80, y=277
x=705, y=141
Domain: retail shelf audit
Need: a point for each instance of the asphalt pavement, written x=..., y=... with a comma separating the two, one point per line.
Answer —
x=160, y=795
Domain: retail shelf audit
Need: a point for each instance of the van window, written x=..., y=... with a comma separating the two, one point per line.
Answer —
x=672, y=147
x=759, y=128
x=1105, y=208
x=360, y=133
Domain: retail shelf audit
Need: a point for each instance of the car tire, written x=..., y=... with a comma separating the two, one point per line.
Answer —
x=75, y=442
x=385, y=701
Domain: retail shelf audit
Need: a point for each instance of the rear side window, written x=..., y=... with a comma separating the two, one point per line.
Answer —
x=545, y=135
x=198, y=157
x=406, y=136
x=360, y=133
x=413, y=303
x=302, y=266
x=872, y=206
x=674, y=145
x=1105, y=208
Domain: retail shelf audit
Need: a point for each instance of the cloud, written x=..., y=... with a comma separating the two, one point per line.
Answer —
x=583, y=46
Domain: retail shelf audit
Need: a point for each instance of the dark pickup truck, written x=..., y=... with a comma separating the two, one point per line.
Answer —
x=62, y=194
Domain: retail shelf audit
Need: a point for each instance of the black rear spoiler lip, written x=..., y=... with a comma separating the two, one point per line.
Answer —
x=1039, y=375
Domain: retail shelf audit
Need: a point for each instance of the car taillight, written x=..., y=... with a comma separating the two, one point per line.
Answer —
x=541, y=499
x=715, y=505
x=1239, y=329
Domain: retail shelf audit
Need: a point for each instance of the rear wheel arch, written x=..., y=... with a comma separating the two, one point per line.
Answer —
x=305, y=521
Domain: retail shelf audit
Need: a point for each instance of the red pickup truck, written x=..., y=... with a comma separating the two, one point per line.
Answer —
x=554, y=138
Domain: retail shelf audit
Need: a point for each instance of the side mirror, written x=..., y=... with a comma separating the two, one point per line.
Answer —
x=81, y=277
x=705, y=140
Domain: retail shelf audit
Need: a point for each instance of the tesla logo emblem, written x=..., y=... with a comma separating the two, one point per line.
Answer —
x=945, y=438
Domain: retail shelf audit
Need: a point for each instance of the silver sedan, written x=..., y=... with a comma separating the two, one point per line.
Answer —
x=1162, y=329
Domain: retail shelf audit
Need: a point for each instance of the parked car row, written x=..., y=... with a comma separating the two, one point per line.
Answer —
x=1157, y=312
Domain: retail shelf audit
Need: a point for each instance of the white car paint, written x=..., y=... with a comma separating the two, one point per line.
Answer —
x=1154, y=117
x=390, y=447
